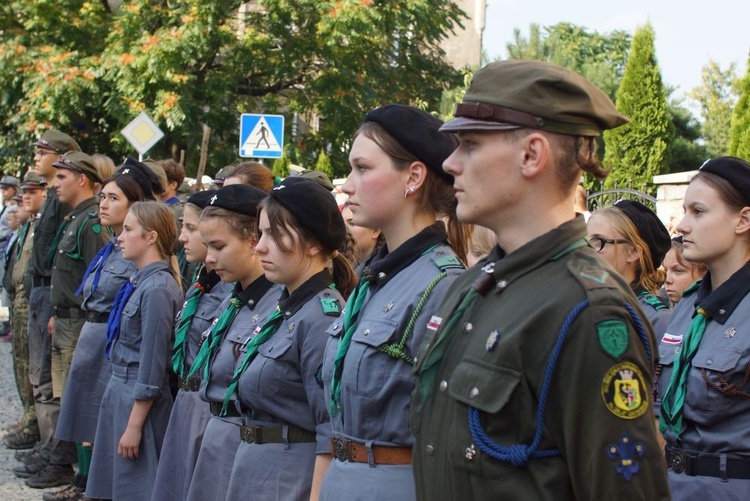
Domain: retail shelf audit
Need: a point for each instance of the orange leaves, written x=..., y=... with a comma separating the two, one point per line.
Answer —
x=126, y=59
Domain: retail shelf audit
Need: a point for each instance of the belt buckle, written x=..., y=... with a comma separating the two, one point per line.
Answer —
x=246, y=433
x=193, y=383
x=676, y=460
x=341, y=448
x=215, y=408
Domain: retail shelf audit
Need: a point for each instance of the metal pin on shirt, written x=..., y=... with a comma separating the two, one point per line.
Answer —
x=729, y=333
x=492, y=340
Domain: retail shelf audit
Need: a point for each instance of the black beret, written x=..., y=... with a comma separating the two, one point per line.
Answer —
x=314, y=207
x=733, y=169
x=240, y=198
x=143, y=175
x=201, y=198
x=649, y=227
x=418, y=132
x=516, y=93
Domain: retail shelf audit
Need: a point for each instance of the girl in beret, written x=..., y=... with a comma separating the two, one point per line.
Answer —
x=90, y=371
x=137, y=402
x=396, y=185
x=286, y=430
x=227, y=227
x=634, y=241
x=681, y=274
x=703, y=377
x=190, y=414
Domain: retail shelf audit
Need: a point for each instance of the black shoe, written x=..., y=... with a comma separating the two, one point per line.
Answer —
x=32, y=456
x=52, y=476
x=29, y=470
x=70, y=493
x=20, y=440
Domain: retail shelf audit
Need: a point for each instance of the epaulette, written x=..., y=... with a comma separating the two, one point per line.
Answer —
x=447, y=262
x=330, y=304
x=653, y=301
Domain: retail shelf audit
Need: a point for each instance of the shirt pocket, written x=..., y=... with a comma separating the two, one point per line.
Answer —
x=272, y=367
x=365, y=365
x=490, y=389
x=65, y=249
x=709, y=365
x=130, y=326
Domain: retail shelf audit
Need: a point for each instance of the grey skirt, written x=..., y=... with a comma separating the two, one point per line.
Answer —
x=345, y=481
x=215, y=459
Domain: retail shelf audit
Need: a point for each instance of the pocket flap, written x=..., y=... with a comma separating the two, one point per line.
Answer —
x=375, y=332
x=274, y=348
x=480, y=385
x=716, y=358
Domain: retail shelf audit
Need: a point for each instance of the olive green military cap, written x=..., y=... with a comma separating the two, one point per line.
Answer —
x=33, y=180
x=514, y=94
x=9, y=181
x=156, y=166
x=77, y=161
x=319, y=177
x=57, y=141
x=222, y=174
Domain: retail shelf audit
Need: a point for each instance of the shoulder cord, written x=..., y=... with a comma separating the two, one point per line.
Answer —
x=519, y=454
x=396, y=350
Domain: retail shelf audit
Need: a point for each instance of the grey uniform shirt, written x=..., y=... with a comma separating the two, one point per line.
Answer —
x=376, y=388
x=115, y=271
x=283, y=384
x=714, y=422
x=259, y=300
x=146, y=329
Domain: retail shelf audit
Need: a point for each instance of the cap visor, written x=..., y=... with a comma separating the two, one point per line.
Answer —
x=464, y=123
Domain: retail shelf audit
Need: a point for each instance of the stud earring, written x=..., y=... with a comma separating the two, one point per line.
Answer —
x=409, y=189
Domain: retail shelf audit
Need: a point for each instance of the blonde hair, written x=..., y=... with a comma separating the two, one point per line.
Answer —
x=646, y=275
x=155, y=216
x=695, y=268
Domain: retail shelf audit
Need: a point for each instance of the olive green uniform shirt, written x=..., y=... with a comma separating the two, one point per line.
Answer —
x=598, y=409
x=50, y=219
x=79, y=244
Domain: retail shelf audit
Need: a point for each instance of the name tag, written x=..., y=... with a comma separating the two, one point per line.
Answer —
x=671, y=339
x=434, y=323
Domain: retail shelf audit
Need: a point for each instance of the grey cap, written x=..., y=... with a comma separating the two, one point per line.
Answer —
x=9, y=181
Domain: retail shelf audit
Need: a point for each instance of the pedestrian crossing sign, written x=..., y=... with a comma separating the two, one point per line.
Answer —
x=261, y=136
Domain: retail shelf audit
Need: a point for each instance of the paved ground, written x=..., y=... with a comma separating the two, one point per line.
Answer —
x=11, y=488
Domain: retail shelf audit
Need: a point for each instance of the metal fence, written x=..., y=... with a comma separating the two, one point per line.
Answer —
x=607, y=197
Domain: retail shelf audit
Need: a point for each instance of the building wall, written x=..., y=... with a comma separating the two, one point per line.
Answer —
x=464, y=48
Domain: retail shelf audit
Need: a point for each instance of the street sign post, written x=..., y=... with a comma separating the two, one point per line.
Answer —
x=142, y=134
x=261, y=136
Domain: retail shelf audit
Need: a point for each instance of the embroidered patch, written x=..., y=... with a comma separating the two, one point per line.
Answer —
x=96, y=228
x=624, y=391
x=625, y=454
x=668, y=338
x=434, y=323
x=613, y=337
x=331, y=306
x=598, y=279
x=492, y=340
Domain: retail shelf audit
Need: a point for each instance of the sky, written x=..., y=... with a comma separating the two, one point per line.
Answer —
x=689, y=33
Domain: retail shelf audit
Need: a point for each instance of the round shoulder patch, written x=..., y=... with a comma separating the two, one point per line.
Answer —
x=624, y=391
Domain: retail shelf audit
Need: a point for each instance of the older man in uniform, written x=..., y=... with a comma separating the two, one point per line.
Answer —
x=47, y=150
x=536, y=381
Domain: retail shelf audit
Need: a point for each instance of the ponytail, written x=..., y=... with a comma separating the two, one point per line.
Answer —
x=343, y=274
x=174, y=269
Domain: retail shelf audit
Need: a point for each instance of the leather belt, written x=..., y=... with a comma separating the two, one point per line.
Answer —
x=192, y=383
x=275, y=434
x=231, y=409
x=346, y=450
x=97, y=318
x=680, y=461
x=41, y=281
x=68, y=312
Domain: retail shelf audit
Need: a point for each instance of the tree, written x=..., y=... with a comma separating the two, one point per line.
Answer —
x=323, y=164
x=192, y=62
x=739, y=143
x=638, y=151
x=686, y=151
x=716, y=98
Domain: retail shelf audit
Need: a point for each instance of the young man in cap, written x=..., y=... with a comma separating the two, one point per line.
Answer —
x=47, y=150
x=536, y=380
x=32, y=189
x=78, y=239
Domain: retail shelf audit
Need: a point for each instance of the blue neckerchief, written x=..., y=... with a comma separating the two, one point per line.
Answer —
x=113, y=323
x=96, y=265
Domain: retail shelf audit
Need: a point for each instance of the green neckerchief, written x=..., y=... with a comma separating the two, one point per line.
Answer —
x=356, y=300
x=180, y=336
x=56, y=240
x=22, y=236
x=674, y=396
x=269, y=328
x=215, y=336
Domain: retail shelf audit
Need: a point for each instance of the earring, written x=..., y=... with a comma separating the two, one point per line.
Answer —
x=409, y=189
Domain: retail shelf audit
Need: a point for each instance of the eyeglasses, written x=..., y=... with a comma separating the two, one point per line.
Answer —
x=41, y=152
x=598, y=243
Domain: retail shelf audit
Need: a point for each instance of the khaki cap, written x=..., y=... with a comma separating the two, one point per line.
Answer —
x=77, y=161
x=513, y=94
x=319, y=177
x=33, y=180
x=57, y=141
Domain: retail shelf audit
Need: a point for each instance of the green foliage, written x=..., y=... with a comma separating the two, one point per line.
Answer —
x=323, y=164
x=716, y=97
x=280, y=167
x=77, y=66
x=638, y=151
x=600, y=57
x=739, y=143
x=686, y=151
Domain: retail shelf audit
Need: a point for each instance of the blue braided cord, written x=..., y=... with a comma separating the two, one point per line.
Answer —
x=519, y=454
x=641, y=329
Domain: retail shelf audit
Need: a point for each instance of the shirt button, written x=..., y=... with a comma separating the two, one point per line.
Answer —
x=443, y=385
x=722, y=311
x=474, y=393
x=468, y=327
x=709, y=361
x=381, y=275
x=366, y=332
x=502, y=284
x=429, y=450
